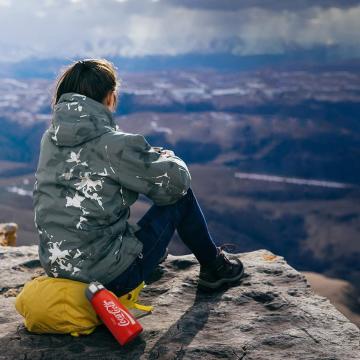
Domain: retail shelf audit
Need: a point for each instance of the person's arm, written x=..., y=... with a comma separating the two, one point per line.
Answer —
x=163, y=178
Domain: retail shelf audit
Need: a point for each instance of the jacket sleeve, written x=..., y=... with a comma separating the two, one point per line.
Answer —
x=139, y=167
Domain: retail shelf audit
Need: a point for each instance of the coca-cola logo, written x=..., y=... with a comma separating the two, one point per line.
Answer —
x=119, y=314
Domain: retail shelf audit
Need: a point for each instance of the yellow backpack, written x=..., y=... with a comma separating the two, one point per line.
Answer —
x=59, y=305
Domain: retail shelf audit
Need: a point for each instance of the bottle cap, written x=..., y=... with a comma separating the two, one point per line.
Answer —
x=92, y=289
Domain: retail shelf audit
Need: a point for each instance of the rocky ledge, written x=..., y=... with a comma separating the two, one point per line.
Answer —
x=272, y=314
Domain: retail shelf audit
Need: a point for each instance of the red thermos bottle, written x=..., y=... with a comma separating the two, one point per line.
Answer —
x=114, y=315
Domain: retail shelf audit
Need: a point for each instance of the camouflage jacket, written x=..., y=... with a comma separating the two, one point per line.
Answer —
x=88, y=175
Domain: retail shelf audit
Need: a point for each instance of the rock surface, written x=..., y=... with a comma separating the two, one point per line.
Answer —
x=272, y=314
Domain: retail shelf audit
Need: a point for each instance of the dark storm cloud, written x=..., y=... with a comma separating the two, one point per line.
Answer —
x=72, y=28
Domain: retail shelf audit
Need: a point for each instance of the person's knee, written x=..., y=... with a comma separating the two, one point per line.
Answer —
x=189, y=194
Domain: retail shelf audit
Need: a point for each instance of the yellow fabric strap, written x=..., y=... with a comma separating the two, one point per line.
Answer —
x=130, y=299
x=146, y=308
x=83, y=332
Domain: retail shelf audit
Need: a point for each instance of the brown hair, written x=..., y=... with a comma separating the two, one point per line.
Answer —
x=90, y=77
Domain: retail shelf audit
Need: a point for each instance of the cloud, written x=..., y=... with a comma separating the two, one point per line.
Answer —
x=5, y=3
x=91, y=28
x=231, y=5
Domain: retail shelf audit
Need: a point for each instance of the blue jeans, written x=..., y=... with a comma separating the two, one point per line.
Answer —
x=157, y=228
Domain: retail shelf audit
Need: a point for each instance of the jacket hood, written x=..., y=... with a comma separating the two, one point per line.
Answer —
x=78, y=118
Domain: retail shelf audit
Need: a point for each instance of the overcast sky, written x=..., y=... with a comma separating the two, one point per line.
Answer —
x=71, y=28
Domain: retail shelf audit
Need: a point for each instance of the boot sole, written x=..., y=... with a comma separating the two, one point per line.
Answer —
x=215, y=285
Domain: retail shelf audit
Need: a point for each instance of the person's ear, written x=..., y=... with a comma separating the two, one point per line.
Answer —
x=108, y=99
x=114, y=100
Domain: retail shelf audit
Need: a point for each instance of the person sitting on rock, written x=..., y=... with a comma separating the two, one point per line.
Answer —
x=89, y=173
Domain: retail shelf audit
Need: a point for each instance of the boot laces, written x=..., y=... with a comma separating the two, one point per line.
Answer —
x=223, y=246
x=222, y=254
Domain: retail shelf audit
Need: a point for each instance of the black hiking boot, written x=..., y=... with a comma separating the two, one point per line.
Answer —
x=220, y=272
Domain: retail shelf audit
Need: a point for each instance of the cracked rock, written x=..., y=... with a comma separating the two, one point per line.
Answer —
x=272, y=314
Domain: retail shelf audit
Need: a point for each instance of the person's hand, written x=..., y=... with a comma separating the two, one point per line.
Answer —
x=157, y=148
x=167, y=152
